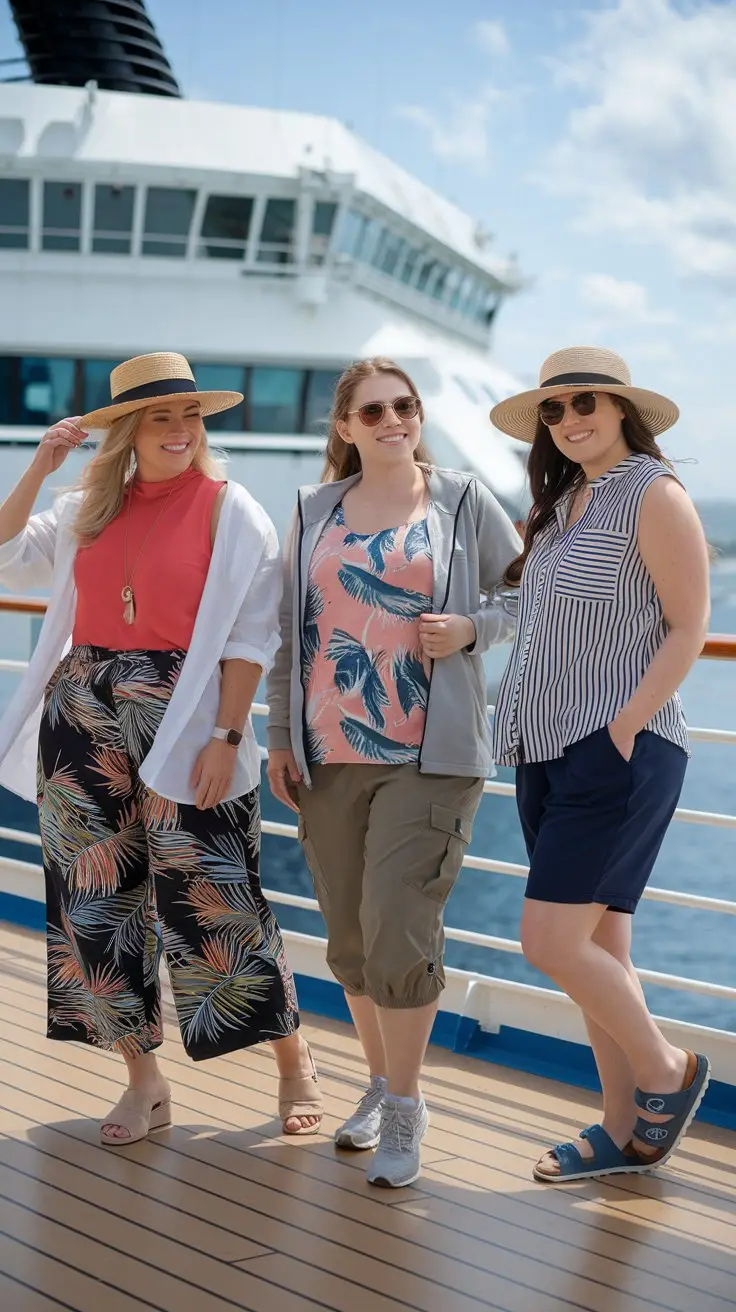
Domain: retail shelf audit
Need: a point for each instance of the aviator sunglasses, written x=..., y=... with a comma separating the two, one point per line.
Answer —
x=404, y=407
x=552, y=413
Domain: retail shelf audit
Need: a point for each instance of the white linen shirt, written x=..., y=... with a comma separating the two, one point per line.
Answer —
x=237, y=620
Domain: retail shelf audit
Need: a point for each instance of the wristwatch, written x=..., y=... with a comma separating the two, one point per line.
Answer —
x=230, y=736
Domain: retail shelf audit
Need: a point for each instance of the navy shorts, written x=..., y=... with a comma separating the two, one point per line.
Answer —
x=593, y=823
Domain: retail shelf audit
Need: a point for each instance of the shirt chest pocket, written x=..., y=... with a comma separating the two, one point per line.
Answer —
x=590, y=568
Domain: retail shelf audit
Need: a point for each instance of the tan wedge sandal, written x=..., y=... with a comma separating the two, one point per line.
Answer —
x=135, y=1114
x=300, y=1095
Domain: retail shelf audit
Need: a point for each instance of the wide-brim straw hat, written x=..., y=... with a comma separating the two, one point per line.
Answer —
x=147, y=379
x=582, y=368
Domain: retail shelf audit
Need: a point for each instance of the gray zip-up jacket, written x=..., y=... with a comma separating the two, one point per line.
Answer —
x=472, y=541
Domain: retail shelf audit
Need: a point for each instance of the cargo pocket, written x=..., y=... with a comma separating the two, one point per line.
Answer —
x=449, y=834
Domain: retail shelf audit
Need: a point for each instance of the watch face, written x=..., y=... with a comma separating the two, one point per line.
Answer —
x=234, y=738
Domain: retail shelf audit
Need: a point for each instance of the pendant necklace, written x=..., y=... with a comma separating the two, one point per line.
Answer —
x=127, y=594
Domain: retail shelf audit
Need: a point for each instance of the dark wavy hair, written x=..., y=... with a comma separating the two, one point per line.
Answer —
x=552, y=476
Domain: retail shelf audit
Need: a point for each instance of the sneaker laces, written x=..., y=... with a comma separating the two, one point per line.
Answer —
x=372, y=1098
x=397, y=1128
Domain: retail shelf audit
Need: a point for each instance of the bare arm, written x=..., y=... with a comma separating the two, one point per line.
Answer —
x=674, y=550
x=50, y=454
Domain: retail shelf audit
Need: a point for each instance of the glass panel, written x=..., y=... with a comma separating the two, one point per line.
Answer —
x=224, y=378
x=410, y=266
x=226, y=226
x=276, y=232
x=440, y=283
x=62, y=212
x=488, y=306
x=46, y=388
x=320, y=393
x=96, y=383
x=427, y=271
x=113, y=220
x=322, y=225
x=7, y=388
x=14, y=212
x=275, y=400
x=390, y=250
x=454, y=288
x=168, y=219
x=373, y=234
x=352, y=233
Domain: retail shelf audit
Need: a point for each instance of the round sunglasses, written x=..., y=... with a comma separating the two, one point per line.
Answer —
x=404, y=407
x=552, y=413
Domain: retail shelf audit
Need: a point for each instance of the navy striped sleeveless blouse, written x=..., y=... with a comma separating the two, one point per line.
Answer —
x=590, y=622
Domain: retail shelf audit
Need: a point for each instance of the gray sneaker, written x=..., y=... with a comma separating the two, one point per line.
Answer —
x=396, y=1162
x=362, y=1128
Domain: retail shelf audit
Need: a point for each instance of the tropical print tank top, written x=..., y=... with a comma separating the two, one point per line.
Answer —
x=365, y=676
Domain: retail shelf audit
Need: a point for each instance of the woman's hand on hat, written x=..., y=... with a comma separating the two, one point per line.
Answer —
x=56, y=444
x=442, y=635
x=283, y=776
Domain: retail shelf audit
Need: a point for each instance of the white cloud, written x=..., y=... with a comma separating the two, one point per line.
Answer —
x=491, y=36
x=463, y=136
x=618, y=299
x=651, y=151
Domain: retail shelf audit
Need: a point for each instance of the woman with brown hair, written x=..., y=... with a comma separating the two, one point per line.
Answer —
x=613, y=610
x=378, y=731
x=166, y=579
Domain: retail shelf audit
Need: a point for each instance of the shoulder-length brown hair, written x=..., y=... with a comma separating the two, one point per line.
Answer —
x=552, y=476
x=342, y=458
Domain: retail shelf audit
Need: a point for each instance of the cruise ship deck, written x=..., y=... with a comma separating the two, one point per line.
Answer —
x=221, y=1211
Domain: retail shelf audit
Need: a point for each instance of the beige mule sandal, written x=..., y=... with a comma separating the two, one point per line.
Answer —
x=300, y=1095
x=135, y=1114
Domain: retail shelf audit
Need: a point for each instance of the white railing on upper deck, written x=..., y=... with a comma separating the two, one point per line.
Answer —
x=718, y=647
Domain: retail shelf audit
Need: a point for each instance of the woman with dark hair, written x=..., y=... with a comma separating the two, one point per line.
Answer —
x=378, y=730
x=613, y=610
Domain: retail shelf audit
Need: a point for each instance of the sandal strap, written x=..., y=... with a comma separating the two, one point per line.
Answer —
x=675, y=1105
x=299, y=1095
x=606, y=1154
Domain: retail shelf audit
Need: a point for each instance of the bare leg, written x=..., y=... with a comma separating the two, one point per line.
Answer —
x=365, y=1019
x=405, y=1036
x=143, y=1074
x=559, y=940
x=617, y=1078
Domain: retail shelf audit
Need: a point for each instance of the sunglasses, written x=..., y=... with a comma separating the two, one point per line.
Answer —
x=371, y=415
x=552, y=413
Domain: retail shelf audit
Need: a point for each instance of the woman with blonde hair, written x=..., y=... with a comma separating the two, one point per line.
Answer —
x=378, y=729
x=166, y=580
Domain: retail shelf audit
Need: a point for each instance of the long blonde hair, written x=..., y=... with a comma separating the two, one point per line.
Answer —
x=342, y=458
x=106, y=476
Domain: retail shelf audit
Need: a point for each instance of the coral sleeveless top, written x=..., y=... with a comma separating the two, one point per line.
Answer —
x=170, y=573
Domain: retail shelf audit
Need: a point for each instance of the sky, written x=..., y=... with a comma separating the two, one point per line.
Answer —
x=596, y=139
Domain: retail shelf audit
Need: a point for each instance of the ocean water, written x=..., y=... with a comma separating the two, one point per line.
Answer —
x=695, y=858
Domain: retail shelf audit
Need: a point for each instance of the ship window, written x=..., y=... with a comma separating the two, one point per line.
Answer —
x=389, y=251
x=320, y=395
x=113, y=220
x=440, y=283
x=46, y=390
x=225, y=228
x=14, y=211
x=224, y=378
x=373, y=233
x=168, y=219
x=454, y=288
x=323, y=222
x=352, y=233
x=96, y=383
x=409, y=266
x=7, y=389
x=62, y=212
x=428, y=270
x=276, y=400
x=277, y=232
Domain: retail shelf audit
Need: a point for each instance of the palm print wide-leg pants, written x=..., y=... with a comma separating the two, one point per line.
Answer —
x=130, y=874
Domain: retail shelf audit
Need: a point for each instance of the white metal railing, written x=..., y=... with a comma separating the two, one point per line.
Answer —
x=692, y=901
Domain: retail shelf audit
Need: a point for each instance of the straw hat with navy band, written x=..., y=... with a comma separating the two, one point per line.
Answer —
x=162, y=376
x=582, y=369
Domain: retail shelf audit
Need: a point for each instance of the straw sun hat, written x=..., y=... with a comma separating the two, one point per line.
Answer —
x=582, y=368
x=162, y=376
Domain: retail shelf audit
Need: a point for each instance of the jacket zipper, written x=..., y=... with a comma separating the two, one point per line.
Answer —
x=301, y=627
x=441, y=611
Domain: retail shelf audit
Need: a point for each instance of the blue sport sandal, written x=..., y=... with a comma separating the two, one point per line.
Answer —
x=680, y=1107
x=607, y=1159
